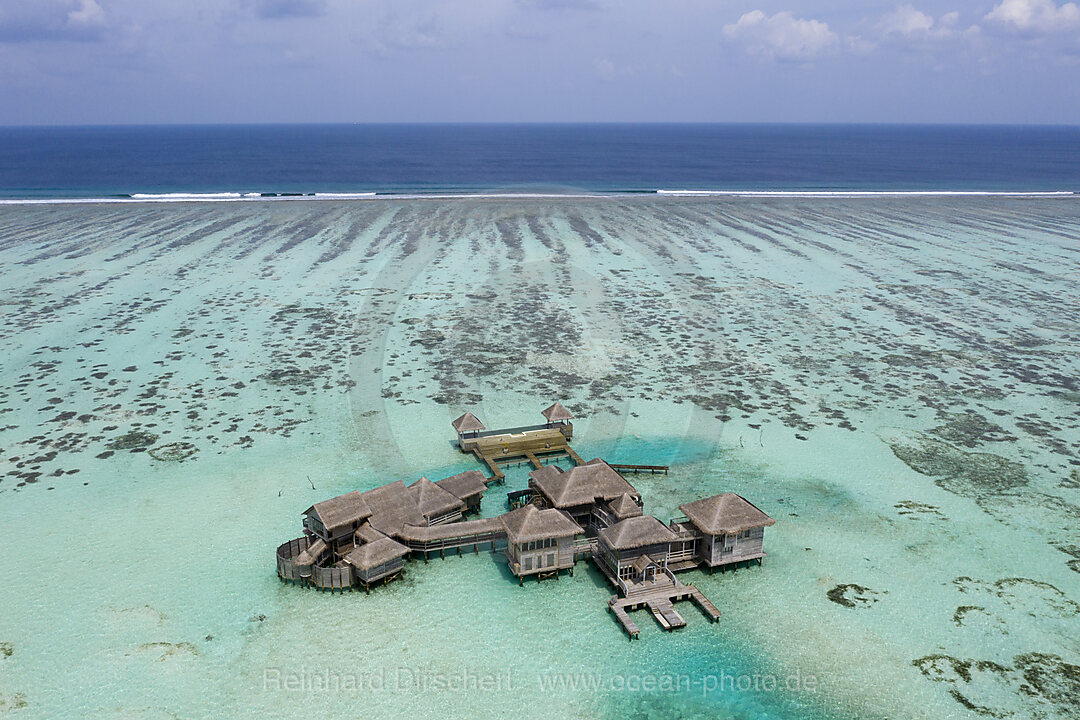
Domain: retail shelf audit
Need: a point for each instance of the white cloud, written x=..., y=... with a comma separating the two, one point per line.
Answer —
x=88, y=14
x=908, y=22
x=34, y=20
x=859, y=45
x=782, y=36
x=1039, y=16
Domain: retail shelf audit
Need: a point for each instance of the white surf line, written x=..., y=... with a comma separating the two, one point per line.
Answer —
x=361, y=196
x=865, y=193
x=259, y=197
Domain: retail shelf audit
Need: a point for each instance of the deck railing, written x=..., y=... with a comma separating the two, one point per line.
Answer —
x=335, y=578
x=519, y=498
x=483, y=538
x=286, y=555
x=517, y=430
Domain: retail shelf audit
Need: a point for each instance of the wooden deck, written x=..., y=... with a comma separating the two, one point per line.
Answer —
x=665, y=614
x=518, y=445
x=659, y=596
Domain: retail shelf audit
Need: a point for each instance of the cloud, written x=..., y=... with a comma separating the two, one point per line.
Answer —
x=30, y=20
x=859, y=45
x=782, y=36
x=272, y=9
x=1035, y=16
x=907, y=22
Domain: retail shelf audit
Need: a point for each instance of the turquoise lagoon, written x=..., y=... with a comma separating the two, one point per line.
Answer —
x=893, y=379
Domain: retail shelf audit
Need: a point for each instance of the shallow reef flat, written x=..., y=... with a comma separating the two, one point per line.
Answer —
x=895, y=380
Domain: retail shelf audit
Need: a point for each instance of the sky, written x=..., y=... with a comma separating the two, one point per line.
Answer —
x=75, y=62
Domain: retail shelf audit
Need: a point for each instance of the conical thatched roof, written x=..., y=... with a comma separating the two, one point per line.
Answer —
x=433, y=500
x=624, y=507
x=556, y=413
x=581, y=485
x=528, y=523
x=342, y=510
x=467, y=423
x=375, y=553
x=466, y=484
x=636, y=532
x=725, y=514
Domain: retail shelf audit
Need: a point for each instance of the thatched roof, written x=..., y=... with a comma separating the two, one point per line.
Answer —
x=725, y=514
x=530, y=523
x=342, y=510
x=624, y=507
x=643, y=562
x=432, y=500
x=556, y=413
x=464, y=485
x=581, y=485
x=467, y=423
x=392, y=506
x=311, y=554
x=366, y=533
x=636, y=532
x=375, y=553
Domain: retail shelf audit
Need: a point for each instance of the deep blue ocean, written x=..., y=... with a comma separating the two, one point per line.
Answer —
x=118, y=161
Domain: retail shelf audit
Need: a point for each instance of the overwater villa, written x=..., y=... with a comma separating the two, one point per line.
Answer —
x=588, y=512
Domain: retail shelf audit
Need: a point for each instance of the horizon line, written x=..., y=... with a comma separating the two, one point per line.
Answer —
x=545, y=123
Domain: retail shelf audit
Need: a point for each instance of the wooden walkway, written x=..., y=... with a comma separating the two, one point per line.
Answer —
x=651, y=469
x=704, y=603
x=620, y=614
x=450, y=536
